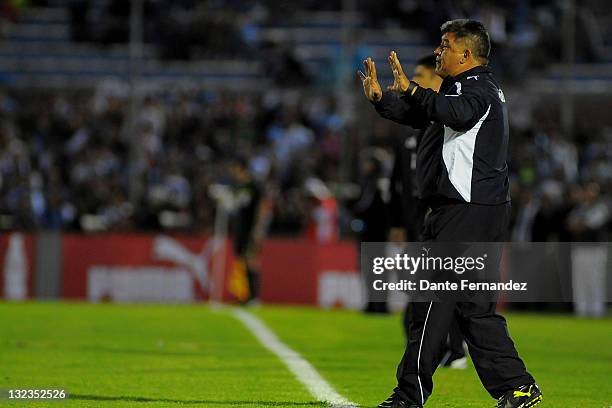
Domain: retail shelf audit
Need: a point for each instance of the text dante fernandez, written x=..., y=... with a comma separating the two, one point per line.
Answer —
x=424, y=284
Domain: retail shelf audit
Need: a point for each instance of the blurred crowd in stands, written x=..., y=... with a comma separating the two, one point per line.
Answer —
x=65, y=163
x=525, y=33
x=561, y=187
x=522, y=31
x=65, y=158
x=9, y=11
x=71, y=160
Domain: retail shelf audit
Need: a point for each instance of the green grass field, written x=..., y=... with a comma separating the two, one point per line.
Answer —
x=174, y=356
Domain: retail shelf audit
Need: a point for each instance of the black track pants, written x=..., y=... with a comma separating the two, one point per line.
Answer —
x=496, y=360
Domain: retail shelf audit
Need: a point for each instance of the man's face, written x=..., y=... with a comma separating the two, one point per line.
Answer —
x=449, y=54
x=425, y=77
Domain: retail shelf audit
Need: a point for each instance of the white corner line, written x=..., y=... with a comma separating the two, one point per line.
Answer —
x=303, y=371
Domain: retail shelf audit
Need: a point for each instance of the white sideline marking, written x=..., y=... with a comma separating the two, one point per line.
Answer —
x=303, y=371
x=419, y=356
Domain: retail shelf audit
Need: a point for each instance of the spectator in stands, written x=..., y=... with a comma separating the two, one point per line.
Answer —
x=589, y=221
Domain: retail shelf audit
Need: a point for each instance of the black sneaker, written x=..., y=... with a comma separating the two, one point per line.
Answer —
x=526, y=396
x=394, y=401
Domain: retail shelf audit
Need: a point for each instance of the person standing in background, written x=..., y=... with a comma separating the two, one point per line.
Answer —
x=416, y=166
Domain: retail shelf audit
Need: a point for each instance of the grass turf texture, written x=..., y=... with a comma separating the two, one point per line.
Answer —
x=172, y=356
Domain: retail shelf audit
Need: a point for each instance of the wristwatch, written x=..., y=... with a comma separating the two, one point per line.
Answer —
x=411, y=87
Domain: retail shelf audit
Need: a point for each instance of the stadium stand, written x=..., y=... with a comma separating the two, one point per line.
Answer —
x=233, y=88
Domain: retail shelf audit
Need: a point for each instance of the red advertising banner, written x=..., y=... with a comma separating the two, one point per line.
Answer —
x=181, y=268
x=303, y=272
x=143, y=268
x=17, y=264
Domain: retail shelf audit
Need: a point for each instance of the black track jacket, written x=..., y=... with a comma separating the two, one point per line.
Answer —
x=468, y=117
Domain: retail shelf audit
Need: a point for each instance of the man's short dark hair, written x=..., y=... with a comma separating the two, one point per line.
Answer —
x=429, y=61
x=472, y=30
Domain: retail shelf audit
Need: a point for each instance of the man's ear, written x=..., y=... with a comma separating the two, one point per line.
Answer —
x=466, y=56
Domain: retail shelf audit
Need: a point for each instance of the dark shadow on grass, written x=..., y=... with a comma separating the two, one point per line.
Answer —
x=126, y=398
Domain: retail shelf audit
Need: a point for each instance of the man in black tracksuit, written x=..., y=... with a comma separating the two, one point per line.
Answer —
x=407, y=205
x=471, y=204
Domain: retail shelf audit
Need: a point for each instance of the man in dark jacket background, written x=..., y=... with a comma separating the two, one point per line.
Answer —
x=470, y=204
x=407, y=205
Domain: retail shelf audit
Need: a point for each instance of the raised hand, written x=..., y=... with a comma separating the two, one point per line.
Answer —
x=400, y=81
x=371, y=87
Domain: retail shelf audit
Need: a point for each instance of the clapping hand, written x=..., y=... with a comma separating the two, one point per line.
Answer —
x=400, y=81
x=371, y=87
